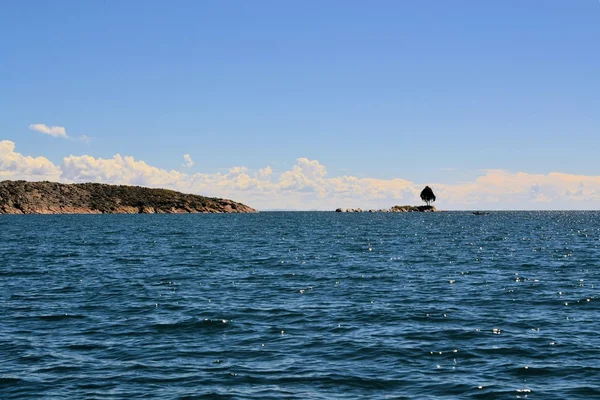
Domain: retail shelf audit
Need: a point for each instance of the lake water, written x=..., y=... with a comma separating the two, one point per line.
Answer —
x=305, y=305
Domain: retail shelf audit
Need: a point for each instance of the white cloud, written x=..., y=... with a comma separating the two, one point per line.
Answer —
x=306, y=185
x=187, y=161
x=16, y=166
x=55, y=131
x=264, y=173
x=117, y=170
x=499, y=189
x=85, y=139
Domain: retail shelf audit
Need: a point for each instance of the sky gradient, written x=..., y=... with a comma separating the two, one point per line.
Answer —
x=309, y=105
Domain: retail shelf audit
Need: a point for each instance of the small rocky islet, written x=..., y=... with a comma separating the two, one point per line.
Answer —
x=23, y=197
x=427, y=196
x=394, y=209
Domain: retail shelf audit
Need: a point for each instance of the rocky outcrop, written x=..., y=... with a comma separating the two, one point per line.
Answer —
x=394, y=209
x=21, y=197
x=413, y=209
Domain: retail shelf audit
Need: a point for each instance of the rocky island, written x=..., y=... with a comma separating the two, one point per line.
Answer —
x=22, y=197
x=427, y=196
x=393, y=209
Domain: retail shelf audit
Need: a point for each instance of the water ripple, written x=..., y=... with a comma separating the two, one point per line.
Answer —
x=300, y=305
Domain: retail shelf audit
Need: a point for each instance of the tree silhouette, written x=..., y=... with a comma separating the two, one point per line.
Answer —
x=427, y=195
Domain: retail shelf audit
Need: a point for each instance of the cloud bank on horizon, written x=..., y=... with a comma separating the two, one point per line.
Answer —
x=307, y=186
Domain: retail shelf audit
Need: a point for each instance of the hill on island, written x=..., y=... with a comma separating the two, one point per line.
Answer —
x=22, y=197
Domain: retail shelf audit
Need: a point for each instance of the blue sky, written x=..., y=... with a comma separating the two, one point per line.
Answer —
x=427, y=92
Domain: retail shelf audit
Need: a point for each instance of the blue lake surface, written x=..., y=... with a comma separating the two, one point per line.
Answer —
x=303, y=305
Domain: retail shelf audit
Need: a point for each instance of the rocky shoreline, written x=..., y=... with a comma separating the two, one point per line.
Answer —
x=394, y=209
x=22, y=197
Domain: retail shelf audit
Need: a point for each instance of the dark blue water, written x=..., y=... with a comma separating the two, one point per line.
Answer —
x=300, y=305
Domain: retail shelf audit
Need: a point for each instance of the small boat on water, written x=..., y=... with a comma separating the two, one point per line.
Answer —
x=480, y=213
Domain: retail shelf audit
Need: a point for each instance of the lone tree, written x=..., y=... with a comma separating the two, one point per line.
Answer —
x=427, y=195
